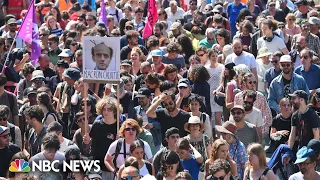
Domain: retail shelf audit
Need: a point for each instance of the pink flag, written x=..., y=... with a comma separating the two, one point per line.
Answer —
x=151, y=20
x=103, y=13
x=30, y=34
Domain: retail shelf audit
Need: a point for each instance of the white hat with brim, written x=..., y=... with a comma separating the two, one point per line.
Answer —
x=193, y=120
x=285, y=59
x=263, y=52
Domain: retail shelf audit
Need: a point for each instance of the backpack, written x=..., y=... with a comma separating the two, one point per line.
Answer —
x=56, y=119
x=121, y=141
x=13, y=134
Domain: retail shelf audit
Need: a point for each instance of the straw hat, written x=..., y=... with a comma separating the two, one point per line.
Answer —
x=263, y=52
x=193, y=120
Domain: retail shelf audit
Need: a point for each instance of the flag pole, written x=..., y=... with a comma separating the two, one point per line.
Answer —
x=14, y=40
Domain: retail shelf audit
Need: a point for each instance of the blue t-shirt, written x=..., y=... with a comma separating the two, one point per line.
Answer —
x=192, y=166
x=233, y=12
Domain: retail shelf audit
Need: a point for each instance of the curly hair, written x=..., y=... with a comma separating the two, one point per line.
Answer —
x=45, y=100
x=215, y=148
x=27, y=69
x=139, y=51
x=152, y=78
x=111, y=102
x=248, y=25
x=223, y=33
x=199, y=74
x=153, y=41
x=220, y=164
x=174, y=47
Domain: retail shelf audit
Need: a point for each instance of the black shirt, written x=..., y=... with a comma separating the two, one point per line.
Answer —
x=305, y=123
x=124, y=101
x=166, y=121
x=184, y=104
x=102, y=135
x=280, y=123
x=279, y=16
x=286, y=88
x=190, y=25
x=6, y=155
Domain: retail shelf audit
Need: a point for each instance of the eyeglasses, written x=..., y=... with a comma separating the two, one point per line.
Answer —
x=272, y=5
x=169, y=104
x=201, y=54
x=3, y=118
x=247, y=102
x=304, y=57
x=236, y=112
x=130, y=129
x=182, y=87
x=130, y=177
x=275, y=61
x=252, y=82
x=80, y=19
x=129, y=28
x=281, y=27
x=210, y=39
x=170, y=167
x=74, y=44
x=285, y=65
x=89, y=19
x=196, y=17
x=217, y=178
x=81, y=120
x=193, y=4
x=305, y=163
x=291, y=19
x=38, y=79
x=6, y=136
x=88, y=103
x=12, y=25
x=43, y=35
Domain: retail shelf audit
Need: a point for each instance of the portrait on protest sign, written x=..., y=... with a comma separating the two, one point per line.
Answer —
x=101, y=58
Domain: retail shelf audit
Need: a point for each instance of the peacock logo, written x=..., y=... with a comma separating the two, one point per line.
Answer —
x=19, y=165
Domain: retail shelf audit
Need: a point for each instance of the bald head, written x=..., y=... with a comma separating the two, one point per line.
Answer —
x=301, y=43
x=130, y=171
x=237, y=46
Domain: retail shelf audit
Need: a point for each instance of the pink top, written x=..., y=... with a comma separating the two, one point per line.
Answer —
x=295, y=30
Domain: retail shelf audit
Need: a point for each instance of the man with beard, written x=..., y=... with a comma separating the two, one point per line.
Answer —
x=132, y=37
x=260, y=103
x=242, y=57
x=196, y=21
x=176, y=30
x=169, y=115
x=44, y=63
x=304, y=122
x=313, y=41
x=174, y=12
x=295, y=52
x=284, y=84
x=252, y=114
x=187, y=17
x=54, y=50
x=274, y=71
x=306, y=160
x=144, y=99
x=246, y=132
x=12, y=24
x=309, y=71
x=157, y=30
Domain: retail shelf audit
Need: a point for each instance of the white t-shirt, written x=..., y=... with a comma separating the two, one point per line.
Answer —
x=255, y=118
x=144, y=170
x=112, y=12
x=275, y=45
x=120, y=159
x=245, y=58
x=262, y=68
x=65, y=144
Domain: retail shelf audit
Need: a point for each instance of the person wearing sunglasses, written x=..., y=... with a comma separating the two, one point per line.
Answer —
x=7, y=150
x=197, y=20
x=119, y=150
x=285, y=83
x=170, y=165
x=130, y=173
x=220, y=170
x=274, y=71
x=309, y=71
x=246, y=132
x=273, y=11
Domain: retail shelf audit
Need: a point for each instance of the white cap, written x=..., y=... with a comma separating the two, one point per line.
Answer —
x=285, y=58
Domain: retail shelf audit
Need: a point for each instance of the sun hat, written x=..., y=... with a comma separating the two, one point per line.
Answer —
x=37, y=74
x=227, y=127
x=263, y=52
x=193, y=120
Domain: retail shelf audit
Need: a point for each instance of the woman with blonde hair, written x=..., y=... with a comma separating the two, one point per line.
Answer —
x=220, y=150
x=136, y=57
x=257, y=166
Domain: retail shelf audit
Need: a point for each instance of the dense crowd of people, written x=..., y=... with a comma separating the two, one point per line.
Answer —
x=217, y=88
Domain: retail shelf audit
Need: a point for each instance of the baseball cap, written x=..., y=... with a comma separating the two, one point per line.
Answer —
x=12, y=21
x=314, y=145
x=129, y=24
x=301, y=2
x=94, y=175
x=65, y=53
x=37, y=74
x=175, y=25
x=143, y=92
x=171, y=131
x=303, y=154
x=229, y=66
x=237, y=107
x=184, y=82
x=300, y=94
x=314, y=20
x=3, y=129
x=72, y=73
x=31, y=90
x=218, y=8
x=126, y=62
x=101, y=24
x=285, y=58
x=156, y=52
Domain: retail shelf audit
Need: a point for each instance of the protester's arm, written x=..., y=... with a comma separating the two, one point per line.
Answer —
x=151, y=111
x=5, y=7
x=315, y=133
x=197, y=155
x=285, y=51
x=229, y=104
x=254, y=71
x=17, y=67
x=292, y=136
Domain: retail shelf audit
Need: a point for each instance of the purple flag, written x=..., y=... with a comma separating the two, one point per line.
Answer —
x=29, y=32
x=103, y=13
